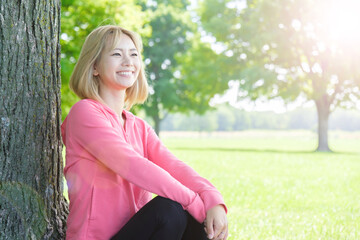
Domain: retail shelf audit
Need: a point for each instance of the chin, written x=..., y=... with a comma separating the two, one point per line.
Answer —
x=128, y=85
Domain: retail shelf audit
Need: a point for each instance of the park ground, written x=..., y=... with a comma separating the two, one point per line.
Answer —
x=275, y=185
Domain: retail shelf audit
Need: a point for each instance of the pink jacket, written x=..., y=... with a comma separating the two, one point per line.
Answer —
x=111, y=172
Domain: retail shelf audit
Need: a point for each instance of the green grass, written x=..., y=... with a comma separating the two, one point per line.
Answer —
x=276, y=187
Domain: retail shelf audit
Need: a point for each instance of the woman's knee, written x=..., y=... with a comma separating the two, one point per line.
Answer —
x=170, y=213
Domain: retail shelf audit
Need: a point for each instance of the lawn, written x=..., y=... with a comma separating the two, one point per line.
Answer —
x=275, y=186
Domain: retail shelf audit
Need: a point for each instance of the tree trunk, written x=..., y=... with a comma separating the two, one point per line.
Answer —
x=32, y=205
x=152, y=110
x=323, y=112
x=157, y=122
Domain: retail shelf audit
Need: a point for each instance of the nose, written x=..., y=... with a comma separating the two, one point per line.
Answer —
x=127, y=61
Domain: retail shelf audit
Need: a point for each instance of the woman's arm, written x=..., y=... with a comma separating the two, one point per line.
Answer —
x=162, y=157
x=88, y=127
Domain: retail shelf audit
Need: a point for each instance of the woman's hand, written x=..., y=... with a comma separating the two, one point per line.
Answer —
x=216, y=224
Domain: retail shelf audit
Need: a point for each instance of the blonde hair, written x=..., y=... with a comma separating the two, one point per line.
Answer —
x=82, y=81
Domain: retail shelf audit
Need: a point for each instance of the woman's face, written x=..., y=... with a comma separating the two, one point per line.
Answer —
x=119, y=68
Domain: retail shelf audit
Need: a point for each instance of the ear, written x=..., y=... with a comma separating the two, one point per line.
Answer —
x=95, y=72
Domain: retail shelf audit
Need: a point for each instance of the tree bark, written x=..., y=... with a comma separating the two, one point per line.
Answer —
x=323, y=112
x=32, y=205
x=152, y=110
x=155, y=115
x=157, y=122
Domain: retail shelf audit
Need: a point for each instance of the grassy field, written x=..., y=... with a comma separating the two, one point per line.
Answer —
x=275, y=186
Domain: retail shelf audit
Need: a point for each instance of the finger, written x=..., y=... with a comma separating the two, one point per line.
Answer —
x=204, y=225
x=209, y=228
x=218, y=229
x=223, y=230
x=221, y=236
x=226, y=234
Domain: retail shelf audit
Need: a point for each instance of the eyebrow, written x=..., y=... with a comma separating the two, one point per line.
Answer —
x=132, y=49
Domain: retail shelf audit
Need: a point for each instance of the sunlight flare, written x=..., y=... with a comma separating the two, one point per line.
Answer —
x=343, y=22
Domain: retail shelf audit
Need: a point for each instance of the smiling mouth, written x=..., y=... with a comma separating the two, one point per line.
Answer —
x=125, y=73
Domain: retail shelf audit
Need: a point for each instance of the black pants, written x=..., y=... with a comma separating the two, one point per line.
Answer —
x=161, y=219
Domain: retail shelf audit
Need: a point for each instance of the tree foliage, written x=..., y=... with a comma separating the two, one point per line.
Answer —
x=285, y=49
x=183, y=72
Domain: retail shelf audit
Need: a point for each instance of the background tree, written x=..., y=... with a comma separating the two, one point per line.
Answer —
x=291, y=49
x=32, y=205
x=181, y=69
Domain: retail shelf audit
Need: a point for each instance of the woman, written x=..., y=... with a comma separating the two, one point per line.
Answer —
x=115, y=161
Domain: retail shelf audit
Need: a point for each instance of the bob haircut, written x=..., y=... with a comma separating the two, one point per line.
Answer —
x=104, y=38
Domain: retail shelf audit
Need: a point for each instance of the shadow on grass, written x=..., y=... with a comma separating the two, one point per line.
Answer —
x=257, y=150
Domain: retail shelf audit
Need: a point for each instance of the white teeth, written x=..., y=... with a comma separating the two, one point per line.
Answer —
x=126, y=73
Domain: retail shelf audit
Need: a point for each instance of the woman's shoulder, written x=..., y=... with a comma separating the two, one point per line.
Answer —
x=86, y=103
x=86, y=106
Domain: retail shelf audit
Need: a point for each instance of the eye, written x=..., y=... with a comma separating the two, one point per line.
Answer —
x=134, y=54
x=116, y=54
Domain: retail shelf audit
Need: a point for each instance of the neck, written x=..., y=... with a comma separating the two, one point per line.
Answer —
x=114, y=99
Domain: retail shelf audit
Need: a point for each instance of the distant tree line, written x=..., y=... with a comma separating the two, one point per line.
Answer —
x=226, y=118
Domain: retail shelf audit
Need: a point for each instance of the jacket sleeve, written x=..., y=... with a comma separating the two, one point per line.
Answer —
x=162, y=157
x=88, y=126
